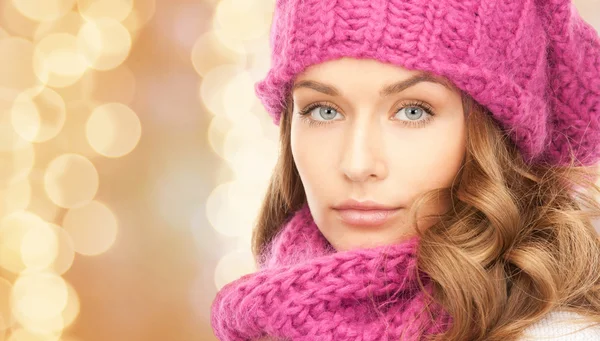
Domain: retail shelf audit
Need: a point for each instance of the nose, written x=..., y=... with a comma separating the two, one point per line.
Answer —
x=362, y=156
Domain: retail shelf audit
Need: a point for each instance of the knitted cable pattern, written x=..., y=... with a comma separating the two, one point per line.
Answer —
x=304, y=290
x=535, y=64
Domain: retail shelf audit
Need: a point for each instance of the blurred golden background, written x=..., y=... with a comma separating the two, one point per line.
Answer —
x=133, y=159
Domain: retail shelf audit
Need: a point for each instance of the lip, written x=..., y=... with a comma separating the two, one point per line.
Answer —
x=365, y=213
x=366, y=205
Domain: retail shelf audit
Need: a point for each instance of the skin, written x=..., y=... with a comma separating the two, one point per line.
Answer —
x=362, y=145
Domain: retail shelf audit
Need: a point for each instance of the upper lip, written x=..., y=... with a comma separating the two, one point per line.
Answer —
x=366, y=205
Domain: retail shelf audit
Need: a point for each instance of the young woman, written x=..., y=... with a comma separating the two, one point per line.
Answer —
x=436, y=178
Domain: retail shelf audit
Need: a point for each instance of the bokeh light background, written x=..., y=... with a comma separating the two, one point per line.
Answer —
x=133, y=159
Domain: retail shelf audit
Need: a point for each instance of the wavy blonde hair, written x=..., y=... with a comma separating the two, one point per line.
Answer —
x=517, y=242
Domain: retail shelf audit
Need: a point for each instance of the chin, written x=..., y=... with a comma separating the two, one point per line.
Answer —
x=344, y=238
x=358, y=241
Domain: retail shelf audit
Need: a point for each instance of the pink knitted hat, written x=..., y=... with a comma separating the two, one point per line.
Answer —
x=534, y=64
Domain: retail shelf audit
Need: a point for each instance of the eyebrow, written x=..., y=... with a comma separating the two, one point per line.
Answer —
x=386, y=91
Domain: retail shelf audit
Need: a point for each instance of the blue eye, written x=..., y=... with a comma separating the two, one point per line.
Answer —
x=326, y=114
x=325, y=111
x=414, y=113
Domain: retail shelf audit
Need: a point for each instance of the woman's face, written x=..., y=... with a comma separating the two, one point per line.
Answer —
x=367, y=137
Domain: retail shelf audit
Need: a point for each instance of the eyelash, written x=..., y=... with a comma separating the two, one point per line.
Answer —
x=414, y=124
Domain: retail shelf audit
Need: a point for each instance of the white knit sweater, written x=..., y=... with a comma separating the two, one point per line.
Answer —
x=555, y=327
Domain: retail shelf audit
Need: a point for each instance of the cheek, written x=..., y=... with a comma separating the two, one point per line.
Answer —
x=432, y=160
x=313, y=155
x=447, y=156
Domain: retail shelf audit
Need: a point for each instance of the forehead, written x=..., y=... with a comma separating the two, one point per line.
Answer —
x=339, y=76
x=352, y=71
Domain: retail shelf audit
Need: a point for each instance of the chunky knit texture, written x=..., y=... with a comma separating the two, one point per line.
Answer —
x=535, y=64
x=305, y=290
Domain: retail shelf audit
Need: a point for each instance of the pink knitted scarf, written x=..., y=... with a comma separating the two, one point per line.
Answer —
x=305, y=290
